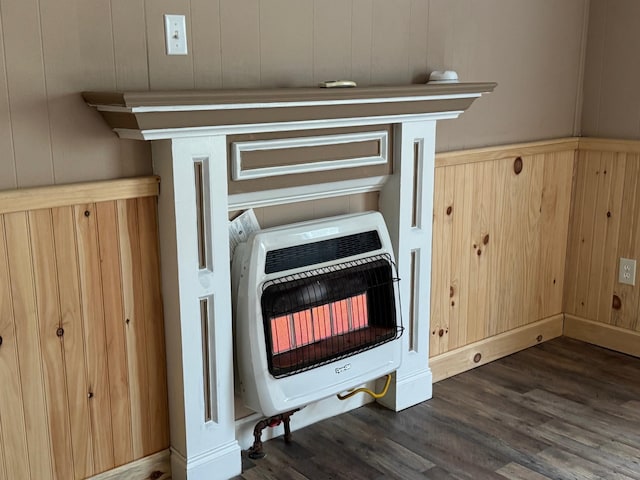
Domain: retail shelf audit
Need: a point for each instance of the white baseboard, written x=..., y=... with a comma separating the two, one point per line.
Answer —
x=408, y=391
x=224, y=462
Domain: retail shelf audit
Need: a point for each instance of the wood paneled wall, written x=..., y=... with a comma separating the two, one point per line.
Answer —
x=82, y=364
x=499, y=238
x=52, y=51
x=605, y=225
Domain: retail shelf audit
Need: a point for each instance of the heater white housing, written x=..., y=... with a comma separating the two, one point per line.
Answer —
x=263, y=392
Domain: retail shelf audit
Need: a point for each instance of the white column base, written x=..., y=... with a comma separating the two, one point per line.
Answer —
x=223, y=462
x=408, y=391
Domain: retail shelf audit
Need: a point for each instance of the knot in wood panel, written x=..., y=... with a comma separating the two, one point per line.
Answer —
x=616, y=304
x=517, y=165
x=60, y=332
x=449, y=210
x=477, y=357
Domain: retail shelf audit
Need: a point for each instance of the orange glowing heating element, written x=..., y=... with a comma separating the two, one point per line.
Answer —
x=289, y=332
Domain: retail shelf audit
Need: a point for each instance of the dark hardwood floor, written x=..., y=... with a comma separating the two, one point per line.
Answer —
x=561, y=410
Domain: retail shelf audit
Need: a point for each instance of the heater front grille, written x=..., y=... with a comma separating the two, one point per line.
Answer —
x=321, y=315
x=314, y=253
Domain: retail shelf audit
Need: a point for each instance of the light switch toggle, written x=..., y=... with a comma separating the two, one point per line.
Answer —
x=175, y=31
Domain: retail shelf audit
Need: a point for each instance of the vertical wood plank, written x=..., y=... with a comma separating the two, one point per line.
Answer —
x=574, y=241
x=556, y=199
x=107, y=224
x=515, y=221
x=67, y=268
x=439, y=272
x=331, y=33
x=154, y=325
x=534, y=174
x=28, y=344
x=13, y=436
x=129, y=44
x=499, y=240
x=614, y=169
x=478, y=269
x=390, y=42
x=361, y=38
x=240, y=43
x=206, y=45
x=448, y=303
x=286, y=44
x=600, y=225
x=28, y=96
x=95, y=336
x=461, y=239
x=135, y=325
x=46, y=288
x=591, y=166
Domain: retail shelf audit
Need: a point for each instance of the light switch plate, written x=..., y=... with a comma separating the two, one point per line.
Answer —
x=627, y=271
x=175, y=33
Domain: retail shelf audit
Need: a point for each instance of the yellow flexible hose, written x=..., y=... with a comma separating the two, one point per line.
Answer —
x=366, y=390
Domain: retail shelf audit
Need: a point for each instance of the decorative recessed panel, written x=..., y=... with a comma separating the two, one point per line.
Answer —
x=258, y=163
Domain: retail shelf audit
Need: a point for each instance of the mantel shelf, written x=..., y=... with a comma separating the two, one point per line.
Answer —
x=145, y=115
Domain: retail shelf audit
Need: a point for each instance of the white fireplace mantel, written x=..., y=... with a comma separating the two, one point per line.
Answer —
x=191, y=150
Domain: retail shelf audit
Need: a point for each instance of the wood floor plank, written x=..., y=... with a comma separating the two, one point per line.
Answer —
x=514, y=471
x=517, y=418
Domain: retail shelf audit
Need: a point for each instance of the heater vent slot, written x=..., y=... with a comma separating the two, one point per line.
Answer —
x=321, y=315
x=314, y=253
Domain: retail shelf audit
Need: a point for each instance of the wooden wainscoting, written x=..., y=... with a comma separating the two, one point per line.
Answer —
x=604, y=226
x=82, y=359
x=499, y=239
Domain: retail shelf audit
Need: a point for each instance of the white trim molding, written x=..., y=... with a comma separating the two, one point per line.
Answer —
x=238, y=172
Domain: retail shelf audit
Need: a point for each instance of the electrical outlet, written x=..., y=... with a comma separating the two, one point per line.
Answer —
x=627, y=271
x=175, y=33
